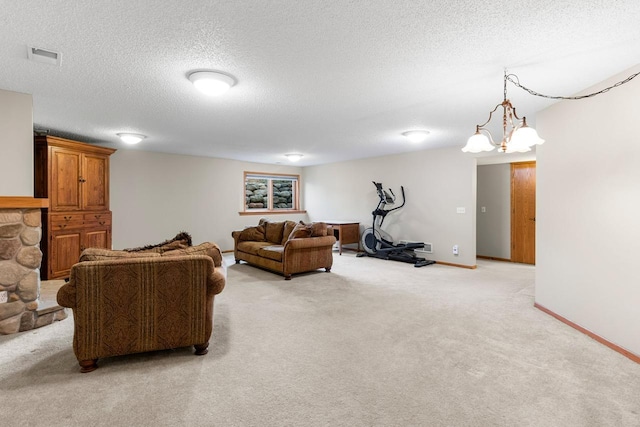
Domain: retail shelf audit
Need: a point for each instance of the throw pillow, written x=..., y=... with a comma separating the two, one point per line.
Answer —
x=318, y=229
x=301, y=230
x=181, y=241
x=253, y=234
x=288, y=228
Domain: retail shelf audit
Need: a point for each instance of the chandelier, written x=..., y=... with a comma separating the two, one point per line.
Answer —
x=517, y=136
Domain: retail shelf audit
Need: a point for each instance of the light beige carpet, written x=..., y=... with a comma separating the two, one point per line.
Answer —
x=373, y=343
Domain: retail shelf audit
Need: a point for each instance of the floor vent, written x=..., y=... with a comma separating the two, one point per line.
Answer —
x=43, y=55
x=428, y=247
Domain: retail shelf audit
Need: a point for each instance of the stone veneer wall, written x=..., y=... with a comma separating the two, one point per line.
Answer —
x=20, y=258
x=256, y=193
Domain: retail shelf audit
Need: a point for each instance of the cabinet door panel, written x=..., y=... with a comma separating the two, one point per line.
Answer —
x=97, y=239
x=65, y=251
x=96, y=182
x=65, y=177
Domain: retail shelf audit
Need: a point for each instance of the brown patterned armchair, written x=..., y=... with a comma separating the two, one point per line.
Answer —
x=132, y=302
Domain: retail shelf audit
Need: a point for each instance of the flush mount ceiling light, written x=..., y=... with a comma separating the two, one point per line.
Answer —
x=131, y=138
x=293, y=157
x=516, y=135
x=416, y=135
x=211, y=83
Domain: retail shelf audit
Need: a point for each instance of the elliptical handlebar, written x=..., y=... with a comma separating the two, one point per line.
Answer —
x=403, y=198
x=384, y=199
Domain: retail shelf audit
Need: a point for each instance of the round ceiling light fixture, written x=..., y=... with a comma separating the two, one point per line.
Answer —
x=211, y=83
x=131, y=138
x=416, y=135
x=293, y=157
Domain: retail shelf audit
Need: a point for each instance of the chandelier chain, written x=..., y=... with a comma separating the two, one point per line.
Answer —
x=514, y=79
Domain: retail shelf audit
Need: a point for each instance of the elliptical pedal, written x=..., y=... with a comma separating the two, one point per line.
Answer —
x=423, y=262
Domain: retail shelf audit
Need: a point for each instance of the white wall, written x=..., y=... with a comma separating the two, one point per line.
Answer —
x=154, y=196
x=436, y=182
x=494, y=225
x=16, y=144
x=588, y=234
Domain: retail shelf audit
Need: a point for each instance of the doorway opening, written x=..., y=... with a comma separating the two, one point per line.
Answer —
x=505, y=211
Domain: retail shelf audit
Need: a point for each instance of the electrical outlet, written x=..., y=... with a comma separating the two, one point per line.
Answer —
x=4, y=296
x=455, y=249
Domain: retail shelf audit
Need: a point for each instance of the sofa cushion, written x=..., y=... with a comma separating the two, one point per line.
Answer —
x=252, y=247
x=253, y=234
x=98, y=254
x=206, y=248
x=273, y=252
x=273, y=231
x=301, y=230
x=288, y=228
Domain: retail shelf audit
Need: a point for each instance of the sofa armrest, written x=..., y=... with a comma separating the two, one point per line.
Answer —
x=206, y=248
x=306, y=254
x=66, y=296
x=236, y=236
x=309, y=242
x=218, y=279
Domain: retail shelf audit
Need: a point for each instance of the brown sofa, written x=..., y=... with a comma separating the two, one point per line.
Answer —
x=136, y=301
x=286, y=247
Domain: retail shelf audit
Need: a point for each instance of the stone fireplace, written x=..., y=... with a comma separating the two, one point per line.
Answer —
x=20, y=258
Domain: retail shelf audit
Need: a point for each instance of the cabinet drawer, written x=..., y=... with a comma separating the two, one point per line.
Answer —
x=65, y=221
x=66, y=217
x=97, y=219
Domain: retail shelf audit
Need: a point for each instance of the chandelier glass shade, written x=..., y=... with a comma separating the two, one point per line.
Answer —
x=517, y=136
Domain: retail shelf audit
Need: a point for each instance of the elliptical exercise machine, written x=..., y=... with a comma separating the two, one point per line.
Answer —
x=379, y=244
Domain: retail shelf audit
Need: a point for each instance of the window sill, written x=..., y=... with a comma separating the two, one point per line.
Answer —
x=281, y=212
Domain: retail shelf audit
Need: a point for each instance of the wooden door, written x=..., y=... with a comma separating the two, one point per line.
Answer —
x=65, y=180
x=97, y=239
x=95, y=182
x=523, y=212
x=64, y=252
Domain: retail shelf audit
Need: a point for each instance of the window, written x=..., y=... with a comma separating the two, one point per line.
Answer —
x=271, y=193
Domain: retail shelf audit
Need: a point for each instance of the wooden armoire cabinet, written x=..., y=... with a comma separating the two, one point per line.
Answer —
x=74, y=176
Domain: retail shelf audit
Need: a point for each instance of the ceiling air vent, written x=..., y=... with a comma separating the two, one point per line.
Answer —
x=44, y=55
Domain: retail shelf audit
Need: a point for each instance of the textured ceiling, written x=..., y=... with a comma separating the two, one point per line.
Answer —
x=331, y=79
